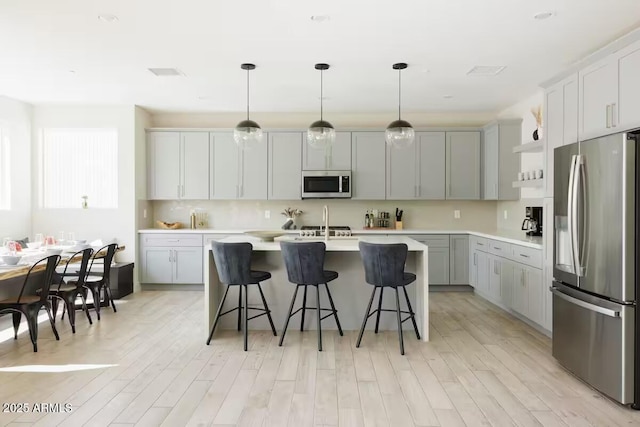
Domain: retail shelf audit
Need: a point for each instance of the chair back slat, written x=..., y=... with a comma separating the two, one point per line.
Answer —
x=304, y=262
x=383, y=263
x=107, y=259
x=82, y=272
x=233, y=262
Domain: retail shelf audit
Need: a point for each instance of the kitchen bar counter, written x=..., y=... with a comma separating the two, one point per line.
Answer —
x=350, y=291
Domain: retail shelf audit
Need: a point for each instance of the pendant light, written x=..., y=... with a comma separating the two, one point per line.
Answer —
x=321, y=133
x=247, y=133
x=400, y=133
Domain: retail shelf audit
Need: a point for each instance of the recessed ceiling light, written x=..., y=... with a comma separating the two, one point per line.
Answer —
x=320, y=18
x=166, y=72
x=108, y=18
x=72, y=71
x=448, y=96
x=543, y=15
x=486, y=70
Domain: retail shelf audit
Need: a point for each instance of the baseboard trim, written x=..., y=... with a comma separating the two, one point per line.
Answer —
x=170, y=287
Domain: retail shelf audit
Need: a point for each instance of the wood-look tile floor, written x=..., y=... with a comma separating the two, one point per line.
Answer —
x=481, y=367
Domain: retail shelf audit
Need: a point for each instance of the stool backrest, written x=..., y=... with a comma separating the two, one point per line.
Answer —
x=304, y=262
x=383, y=263
x=233, y=262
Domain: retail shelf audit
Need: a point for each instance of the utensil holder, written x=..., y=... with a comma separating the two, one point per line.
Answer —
x=398, y=225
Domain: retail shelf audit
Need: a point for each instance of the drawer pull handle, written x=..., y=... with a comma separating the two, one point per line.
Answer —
x=497, y=248
x=524, y=256
x=173, y=240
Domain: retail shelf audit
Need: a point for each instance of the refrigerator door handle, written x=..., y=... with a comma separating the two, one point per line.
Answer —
x=579, y=233
x=592, y=307
x=572, y=201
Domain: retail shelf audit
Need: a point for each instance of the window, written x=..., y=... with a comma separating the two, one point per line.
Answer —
x=78, y=163
x=5, y=171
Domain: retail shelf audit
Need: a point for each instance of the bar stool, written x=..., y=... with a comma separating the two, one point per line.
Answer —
x=233, y=262
x=384, y=267
x=304, y=262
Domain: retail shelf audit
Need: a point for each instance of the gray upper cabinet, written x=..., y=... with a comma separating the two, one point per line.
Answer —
x=225, y=165
x=285, y=165
x=401, y=173
x=253, y=172
x=431, y=165
x=500, y=164
x=628, y=60
x=463, y=165
x=459, y=259
x=598, y=85
x=368, y=151
x=178, y=165
x=336, y=157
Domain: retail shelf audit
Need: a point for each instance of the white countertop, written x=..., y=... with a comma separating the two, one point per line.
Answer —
x=333, y=245
x=509, y=236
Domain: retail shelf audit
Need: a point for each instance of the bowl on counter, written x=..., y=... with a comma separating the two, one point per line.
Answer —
x=10, y=259
x=265, y=235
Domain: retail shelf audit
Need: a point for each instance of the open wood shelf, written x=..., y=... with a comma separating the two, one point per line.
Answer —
x=530, y=147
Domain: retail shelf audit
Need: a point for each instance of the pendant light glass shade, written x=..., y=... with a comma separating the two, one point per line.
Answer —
x=321, y=133
x=400, y=133
x=247, y=134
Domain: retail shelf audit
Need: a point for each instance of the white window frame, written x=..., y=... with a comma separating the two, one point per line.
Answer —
x=93, y=174
x=5, y=169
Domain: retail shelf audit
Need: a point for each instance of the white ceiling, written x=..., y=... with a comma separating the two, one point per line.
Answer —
x=43, y=41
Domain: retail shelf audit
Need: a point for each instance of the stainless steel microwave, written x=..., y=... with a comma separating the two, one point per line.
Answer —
x=326, y=184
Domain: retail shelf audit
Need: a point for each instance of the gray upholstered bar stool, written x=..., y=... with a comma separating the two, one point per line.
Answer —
x=384, y=268
x=304, y=262
x=233, y=262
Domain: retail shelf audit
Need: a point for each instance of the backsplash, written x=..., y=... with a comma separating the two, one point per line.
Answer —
x=244, y=214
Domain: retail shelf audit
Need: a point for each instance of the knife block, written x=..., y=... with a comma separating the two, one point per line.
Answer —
x=398, y=225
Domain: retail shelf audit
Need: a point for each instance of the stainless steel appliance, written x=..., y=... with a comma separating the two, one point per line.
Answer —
x=315, y=231
x=326, y=184
x=595, y=252
x=532, y=223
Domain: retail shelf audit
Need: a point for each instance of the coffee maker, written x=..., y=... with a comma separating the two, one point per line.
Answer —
x=532, y=223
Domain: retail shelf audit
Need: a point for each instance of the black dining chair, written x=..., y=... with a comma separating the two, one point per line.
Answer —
x=70, y=285
x=384, y=268
x=304, y=262
x=233, y=262
x=31, y=304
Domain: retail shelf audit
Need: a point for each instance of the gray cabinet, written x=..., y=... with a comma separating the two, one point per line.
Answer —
x=368, y=153
x=401, y=173
x=253, y=173
x=459, y=259
x=178, y=165
x=438, y=257
x=628, y=60
x=599, y=98
x=171, y=258
x=336, y=157
x=285, y=165
x=500, y=164
x=463, y=165
x=482, y=272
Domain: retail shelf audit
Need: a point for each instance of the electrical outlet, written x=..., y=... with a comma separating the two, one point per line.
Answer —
x=267, y=214
x=456, y=214
x=505, y=214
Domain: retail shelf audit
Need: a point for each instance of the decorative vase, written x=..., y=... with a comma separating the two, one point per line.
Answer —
x=535, y=135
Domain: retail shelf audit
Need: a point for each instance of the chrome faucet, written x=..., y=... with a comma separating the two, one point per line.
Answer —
x=325, y=218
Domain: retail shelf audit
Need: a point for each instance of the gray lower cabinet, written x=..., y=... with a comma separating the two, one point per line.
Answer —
x=171, y=258
x=438, y=257
x=459, y=259
x=285, y=166
x=368, y=157
x=463, y=165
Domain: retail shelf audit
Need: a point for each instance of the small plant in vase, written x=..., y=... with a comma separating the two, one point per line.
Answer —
x=290, y=214
x=537, y=113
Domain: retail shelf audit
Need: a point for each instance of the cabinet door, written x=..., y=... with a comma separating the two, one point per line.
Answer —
x=225, y=163
x=187, y=264
x=490, y=162
x=438, y=266
x=368, y=152
x=285, y=165
x=535, y=295
x=459, y=260
x=463, y=165
x=431, y=165
x=473, y=268
x=506, y=282
x=253, y=173
x=336, y=157
x=554, y=131
x=164, y=165
x=508, y=162
x=495, y=286
x=194, y=152
x=519, y=295
x=628, y=71
x=547, y=279
x=483, y=272
x=571, y=109
x=401, y=173
x=157, y=265
x=599, y=91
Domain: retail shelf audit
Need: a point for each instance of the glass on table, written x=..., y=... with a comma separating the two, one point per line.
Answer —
x=39, y=238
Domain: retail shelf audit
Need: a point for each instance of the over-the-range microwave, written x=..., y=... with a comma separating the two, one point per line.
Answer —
x=326, y=184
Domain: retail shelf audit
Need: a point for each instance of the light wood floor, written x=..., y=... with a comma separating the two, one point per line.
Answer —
x=482, y=367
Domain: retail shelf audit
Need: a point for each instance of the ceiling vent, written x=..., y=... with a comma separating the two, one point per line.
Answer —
x=166, y=72
x=486, y=70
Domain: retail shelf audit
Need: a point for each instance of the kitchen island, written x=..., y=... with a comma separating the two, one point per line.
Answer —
x=350, y=292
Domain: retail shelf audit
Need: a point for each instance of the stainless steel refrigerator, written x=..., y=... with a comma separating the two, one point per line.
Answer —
x=595, y=253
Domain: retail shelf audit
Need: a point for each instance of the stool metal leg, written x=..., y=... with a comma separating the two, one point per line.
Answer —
x=246, y=316
x=266, y=307
x=413, y=316
x=286, y=322
x=399, y=322
x=366, y=316
x=318, y=312
x=240, y=307
x=215, y=322
x=304, y=308
x=333, y=307
x=379, y=309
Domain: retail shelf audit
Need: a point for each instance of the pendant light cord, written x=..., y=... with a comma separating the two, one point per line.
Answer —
x=247, y=94
x=399, y=91
x=321, y=91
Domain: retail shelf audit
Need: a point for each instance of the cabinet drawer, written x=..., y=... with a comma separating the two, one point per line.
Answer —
x=433, y=240
x=528, y=256
x=499, y=248
x=208, y=238
x=171, y=240
x=479, y=243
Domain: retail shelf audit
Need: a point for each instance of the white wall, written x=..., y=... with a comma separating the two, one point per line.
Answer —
x=15, y=119
x=120, y=223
